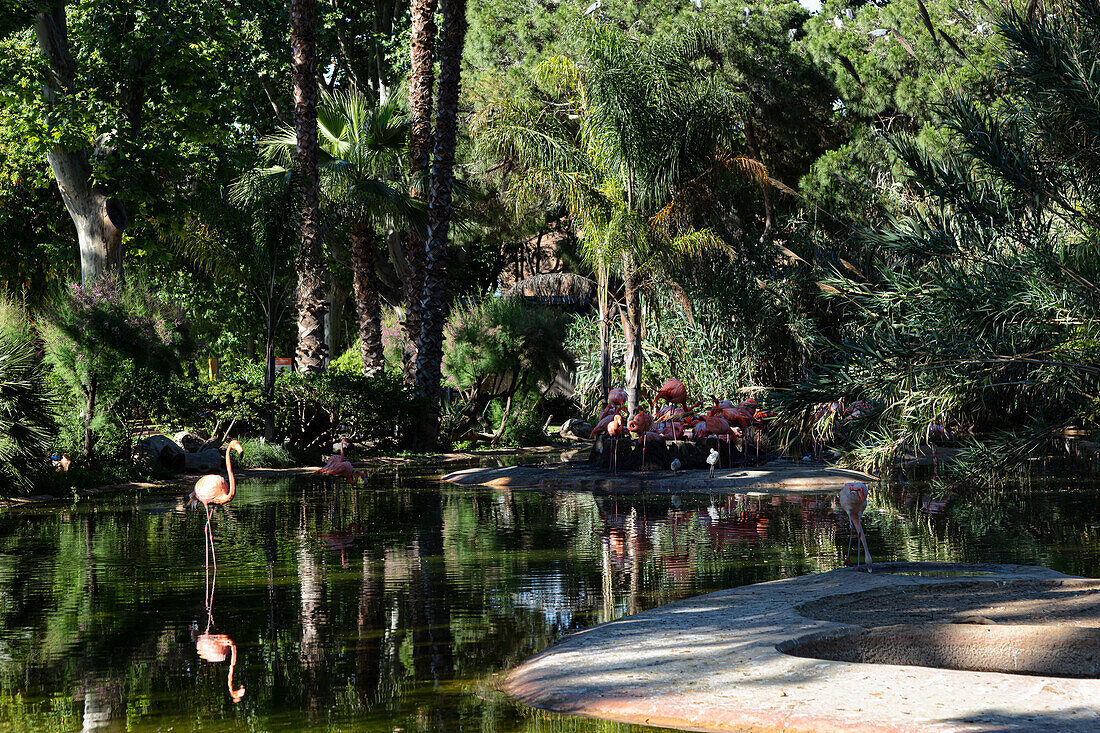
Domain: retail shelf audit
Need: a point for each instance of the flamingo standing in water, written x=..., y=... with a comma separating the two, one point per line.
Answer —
x=853, y=500
x=335, y=459
x=213, y=489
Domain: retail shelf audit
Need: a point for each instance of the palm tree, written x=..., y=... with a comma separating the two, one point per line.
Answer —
x=429, y=352
x=421, y=81
x=312, y=350
x=603, y=147
x=361, y=155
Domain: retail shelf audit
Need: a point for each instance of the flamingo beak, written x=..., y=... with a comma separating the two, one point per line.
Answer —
x=239, y=448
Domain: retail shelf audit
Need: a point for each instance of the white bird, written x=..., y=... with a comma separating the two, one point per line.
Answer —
x=853, y=500
x=675, y=465
x=712, y=461
x=593, y=7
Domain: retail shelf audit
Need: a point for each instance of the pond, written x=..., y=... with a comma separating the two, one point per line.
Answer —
x=395, y=606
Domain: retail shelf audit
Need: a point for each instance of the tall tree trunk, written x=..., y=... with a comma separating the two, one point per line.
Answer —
x=633, y=366
x=334, y=318
x=312, y=349
x=433, y=311
x=99, y=219
x=605, y=333
x=421, y=81
x=366, y=296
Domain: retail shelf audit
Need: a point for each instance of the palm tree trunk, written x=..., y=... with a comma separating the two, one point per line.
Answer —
x=769, y=207
x=434, y=299
x=366, y=296
x=605, y=333
x=421, y=81
x=633, y=366
x=312, y=349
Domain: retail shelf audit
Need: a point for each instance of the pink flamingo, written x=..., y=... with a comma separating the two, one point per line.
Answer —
x=617, y=397
x=347, y=472
x=853, y=500
x=640, y=424
x=672, y=391
x=213, y=489
x=334, y=459
x=615, y=431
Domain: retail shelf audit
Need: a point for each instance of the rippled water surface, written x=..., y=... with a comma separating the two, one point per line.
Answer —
x=396, y=606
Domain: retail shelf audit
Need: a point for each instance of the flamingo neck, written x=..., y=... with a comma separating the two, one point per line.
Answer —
x=229, y=471
x=232, y=663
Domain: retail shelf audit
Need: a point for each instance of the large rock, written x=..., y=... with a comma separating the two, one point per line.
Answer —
x=574, y=429
x=205, y=460
x=189, y=441
x=160, y=449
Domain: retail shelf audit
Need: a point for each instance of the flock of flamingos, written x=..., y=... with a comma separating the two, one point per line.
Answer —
x=676, y=420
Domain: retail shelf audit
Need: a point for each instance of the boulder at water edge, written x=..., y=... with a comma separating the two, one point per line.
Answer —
x=205, y=460
x=159, y=449
x=574, y=429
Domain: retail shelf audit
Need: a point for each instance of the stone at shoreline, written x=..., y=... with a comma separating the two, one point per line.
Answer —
x=189, y=441
x=160, y=449
x=205, y=460
x=575, y=429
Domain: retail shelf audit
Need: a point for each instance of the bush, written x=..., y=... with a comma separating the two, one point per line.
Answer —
x=261, y=454
x=503, y=349
x=26, y=405
x=310, y=411
x=109, y=344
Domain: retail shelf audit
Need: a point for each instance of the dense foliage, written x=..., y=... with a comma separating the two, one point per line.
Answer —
x=980, y=310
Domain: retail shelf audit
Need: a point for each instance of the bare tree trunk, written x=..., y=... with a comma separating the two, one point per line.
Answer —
x=421, y=82
x=312, y=350
x=433, y=311
x=99, y=219
x=89, y=415
x=366, y=297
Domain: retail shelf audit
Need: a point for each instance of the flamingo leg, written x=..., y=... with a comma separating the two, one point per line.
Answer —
x=210, y=531
x=851, y=534
x=206, y=559
x=863, y=540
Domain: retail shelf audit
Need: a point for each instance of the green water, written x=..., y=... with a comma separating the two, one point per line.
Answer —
x=396, y=606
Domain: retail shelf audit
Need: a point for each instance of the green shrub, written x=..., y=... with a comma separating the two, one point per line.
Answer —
x=261, y=454
x=310, y=411
x=500, y=349
x=109, y=344
x=26, y=404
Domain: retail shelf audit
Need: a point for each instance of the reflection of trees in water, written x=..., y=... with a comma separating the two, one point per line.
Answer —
x=364, y=606
x=1023, y=524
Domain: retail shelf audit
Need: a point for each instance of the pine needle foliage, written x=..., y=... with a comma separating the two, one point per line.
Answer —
x=26, y=404
x=984, y=309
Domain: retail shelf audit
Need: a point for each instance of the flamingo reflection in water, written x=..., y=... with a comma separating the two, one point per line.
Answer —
x=215, y=648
